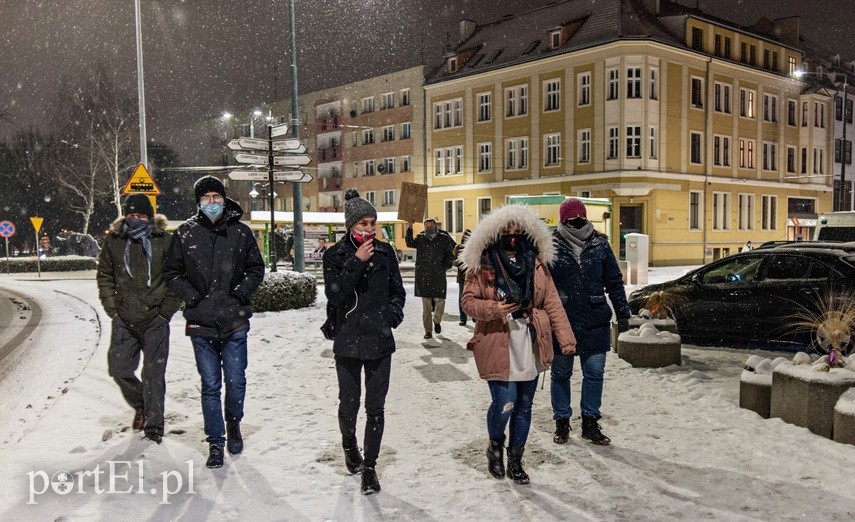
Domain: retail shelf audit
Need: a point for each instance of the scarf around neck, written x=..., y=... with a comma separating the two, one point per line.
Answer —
x=514, y=278
x=141, y=234
x=576, y=237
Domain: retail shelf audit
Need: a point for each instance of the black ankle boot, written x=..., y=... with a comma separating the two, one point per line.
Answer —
x=496, y=458
x=352, y=458
x=370, y=483
x=591, y=431
x=234, y=440
x=562, y=431
x=515, y=469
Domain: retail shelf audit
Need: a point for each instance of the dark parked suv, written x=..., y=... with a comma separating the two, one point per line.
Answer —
x=751, y=299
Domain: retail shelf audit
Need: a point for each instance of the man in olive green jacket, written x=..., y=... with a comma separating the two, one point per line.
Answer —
x=135, y=296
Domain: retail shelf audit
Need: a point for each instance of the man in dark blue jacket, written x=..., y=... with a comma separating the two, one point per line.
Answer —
x=215, y=266
x=585, y=269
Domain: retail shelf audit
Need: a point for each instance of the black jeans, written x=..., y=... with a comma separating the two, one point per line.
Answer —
x=377, y=373
x=123, y=357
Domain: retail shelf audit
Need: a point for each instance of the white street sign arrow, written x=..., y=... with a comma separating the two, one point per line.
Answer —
x=294, y=176
x=234, y=145
x=251, y=158
x=279, y=130
x=289, y=146
x=253, y=143
x=290, y=161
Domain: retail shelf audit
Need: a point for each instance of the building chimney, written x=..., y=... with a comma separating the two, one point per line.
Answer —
x=467, y=28
x=654, y=7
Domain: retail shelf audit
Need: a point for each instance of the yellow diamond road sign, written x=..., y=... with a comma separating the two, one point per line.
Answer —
x=141, y=182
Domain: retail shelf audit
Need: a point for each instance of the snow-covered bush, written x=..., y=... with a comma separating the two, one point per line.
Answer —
x=284, y=291
x=50, y=264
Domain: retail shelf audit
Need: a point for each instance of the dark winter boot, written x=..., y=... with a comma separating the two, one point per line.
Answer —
x=352, y=458
x=496, y=458
x=562, y=431
x=591, y=431
x=234, y=441
x=370, y=483
x=515, y=469
x=153, y=435
x=139, y=420
x=215, y=457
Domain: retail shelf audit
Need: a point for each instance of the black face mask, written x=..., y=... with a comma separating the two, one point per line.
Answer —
x=578, y=222
x=509, y=242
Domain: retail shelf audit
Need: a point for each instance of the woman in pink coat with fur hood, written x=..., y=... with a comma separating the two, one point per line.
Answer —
x=510, y=293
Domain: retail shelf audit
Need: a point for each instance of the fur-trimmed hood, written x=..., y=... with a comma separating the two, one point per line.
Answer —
x=491, y=228
x=158, y=229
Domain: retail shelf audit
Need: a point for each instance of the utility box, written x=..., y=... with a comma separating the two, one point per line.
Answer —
x=637, y=258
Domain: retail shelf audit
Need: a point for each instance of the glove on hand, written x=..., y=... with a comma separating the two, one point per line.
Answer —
x=622, y=325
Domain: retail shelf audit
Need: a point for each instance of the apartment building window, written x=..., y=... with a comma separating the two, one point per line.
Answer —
x=448, y=113
x=553, y=149
x=555, y=39
x=585, y=146
x=721, y=97
x=614, y=143
x=791, y=160
x=485, y=106
x=718, y=45
x=743, y=52
x=388, y=198
x=553, y=95
x=652, y=137
x=406, y=163
x=405, y=97
x=721, y=211
x=485, y=157
x=817, y=161
x=614, y=85
x=368, y=136
x=633, y=82
x=746, y=212
x=516, y=101
x=837, y=153
x=746, y=153
x=769, y=207
x=838, y=108
x=697, y=92
x=448, y=161
x=819, y=115
x=370, y=197
x=767, y=59
x=770, y=108
x=804, y=114
x=405, y=130
x=517, y=153
x=355, y=142
x=584, y=81
x=633, y=141
x=791, y=113
x=804, y=160
x=791, y=65
x=746, y=103
x=368, y=104
x=369, y=168
x=721, y=151
x=388, y=133
x=770, y=156
x=695, y=210
x=727, y=47
x=752, y=55
x=387, y=101
x=697, y=39
x=454, y=216
x=774, y=60
x=388, y=166
x=695, y=147
x=654, y=92
x=485, y=206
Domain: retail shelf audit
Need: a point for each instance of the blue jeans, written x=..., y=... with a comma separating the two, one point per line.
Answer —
x=593, y=369
x=215, y=359
x=519, y=395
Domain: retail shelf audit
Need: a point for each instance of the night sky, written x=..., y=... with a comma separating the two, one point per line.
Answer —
x=205, y=56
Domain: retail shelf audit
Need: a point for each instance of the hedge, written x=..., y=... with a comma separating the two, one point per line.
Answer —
x=284, y=291
x=50, y=264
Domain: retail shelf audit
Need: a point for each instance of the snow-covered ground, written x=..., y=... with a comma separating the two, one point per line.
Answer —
x=681, y=446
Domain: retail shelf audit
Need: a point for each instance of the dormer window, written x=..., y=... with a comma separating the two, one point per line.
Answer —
x=452, y=64
x=555, y=39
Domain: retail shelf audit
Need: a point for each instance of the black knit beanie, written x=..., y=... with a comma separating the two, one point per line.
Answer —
x=356, y=208
x=138, y=204
x=207, y=184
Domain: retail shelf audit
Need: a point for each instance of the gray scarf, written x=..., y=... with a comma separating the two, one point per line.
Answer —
x=576, y=237
x=141, y=233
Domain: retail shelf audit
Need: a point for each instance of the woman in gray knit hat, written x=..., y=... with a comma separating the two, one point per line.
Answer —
x=365, y=301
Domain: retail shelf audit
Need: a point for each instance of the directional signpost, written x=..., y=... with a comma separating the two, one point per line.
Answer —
x=290, y=154
x=7, y=230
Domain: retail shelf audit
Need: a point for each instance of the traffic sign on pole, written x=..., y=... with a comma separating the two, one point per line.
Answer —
x=141, y=182
x=234, y=145
x=7, y=229
x=293, y=176
x=253, y=143
x=279, y=130
x=297, y=160
x=37, y=223
x=289, y=146
x=242, y=157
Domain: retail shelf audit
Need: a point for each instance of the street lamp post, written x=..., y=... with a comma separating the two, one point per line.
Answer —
x=254, y=114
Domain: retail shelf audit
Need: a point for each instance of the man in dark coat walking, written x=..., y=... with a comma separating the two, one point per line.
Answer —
x=585, y=269
x=134, y=294
x=215, y=266
x=434, y=256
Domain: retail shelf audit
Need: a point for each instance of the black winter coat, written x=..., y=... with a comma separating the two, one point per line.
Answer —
x=367, y=298
x=433, y=258
x=215, y=268
x=582, y=287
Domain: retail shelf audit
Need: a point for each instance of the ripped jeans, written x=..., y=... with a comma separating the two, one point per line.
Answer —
x=518, y=394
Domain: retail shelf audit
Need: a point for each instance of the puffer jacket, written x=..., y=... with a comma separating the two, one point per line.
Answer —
x=433, y=258
x=130, y=297
x=490, y=342
x=367, y=298
x=582, y=287
x=215, y=268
